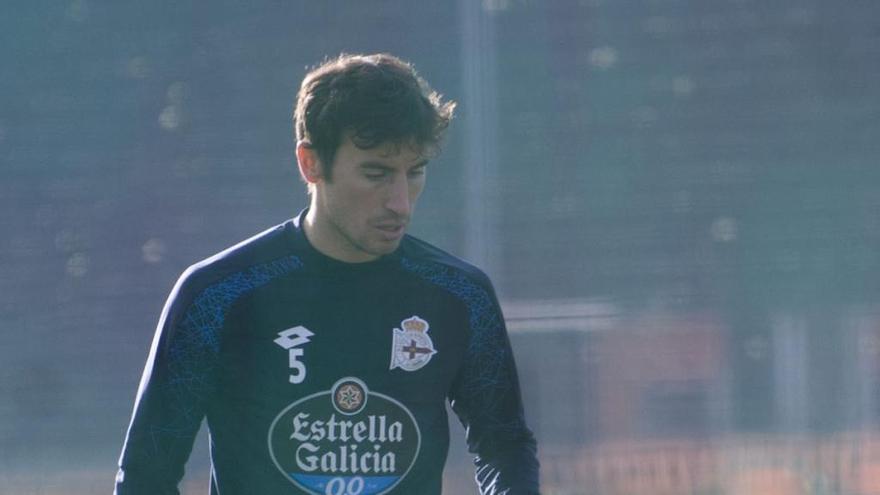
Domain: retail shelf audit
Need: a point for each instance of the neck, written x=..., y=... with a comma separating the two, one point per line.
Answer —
x=327, y=240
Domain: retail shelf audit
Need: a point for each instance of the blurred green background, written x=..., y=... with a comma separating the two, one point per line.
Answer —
x=677, y=200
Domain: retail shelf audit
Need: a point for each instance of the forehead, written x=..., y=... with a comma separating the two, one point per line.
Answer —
x=406, y=152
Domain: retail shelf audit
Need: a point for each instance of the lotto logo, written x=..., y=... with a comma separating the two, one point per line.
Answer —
x=291, y=339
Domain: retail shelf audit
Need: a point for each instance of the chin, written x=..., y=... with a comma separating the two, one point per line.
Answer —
x=384, y=248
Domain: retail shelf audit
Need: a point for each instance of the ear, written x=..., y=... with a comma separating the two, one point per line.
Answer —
x=309, y=165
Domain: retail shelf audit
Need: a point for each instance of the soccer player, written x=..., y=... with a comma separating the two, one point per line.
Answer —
x=322, y=351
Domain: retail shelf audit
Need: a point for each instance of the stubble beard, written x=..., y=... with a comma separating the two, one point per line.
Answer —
x=363, y=246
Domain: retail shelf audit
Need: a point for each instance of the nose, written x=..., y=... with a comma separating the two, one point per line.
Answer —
x=398, y=200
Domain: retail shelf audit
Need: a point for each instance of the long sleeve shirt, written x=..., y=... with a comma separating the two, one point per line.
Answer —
x=317, y=376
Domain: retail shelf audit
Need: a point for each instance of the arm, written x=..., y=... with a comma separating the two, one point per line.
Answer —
x=171, y=399
x=486, y=398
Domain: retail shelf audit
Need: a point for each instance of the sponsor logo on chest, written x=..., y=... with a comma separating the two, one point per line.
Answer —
x=346, y=440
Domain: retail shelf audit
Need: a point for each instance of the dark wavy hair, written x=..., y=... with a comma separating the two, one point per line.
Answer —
x=378, y=99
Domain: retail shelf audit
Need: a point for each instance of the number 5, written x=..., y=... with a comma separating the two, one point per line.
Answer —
x=290, y=339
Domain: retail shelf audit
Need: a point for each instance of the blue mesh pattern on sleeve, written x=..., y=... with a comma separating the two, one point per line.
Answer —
x=180, y=378
x=487, y=378
x=196, y=344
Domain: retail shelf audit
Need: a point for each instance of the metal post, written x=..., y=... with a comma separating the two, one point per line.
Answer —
x=480, y=116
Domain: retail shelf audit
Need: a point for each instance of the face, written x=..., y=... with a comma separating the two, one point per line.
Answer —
x=362, y=212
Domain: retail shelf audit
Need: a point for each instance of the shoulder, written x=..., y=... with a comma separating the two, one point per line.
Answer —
x=440, y=267
x=465, y=282
x=250, y=263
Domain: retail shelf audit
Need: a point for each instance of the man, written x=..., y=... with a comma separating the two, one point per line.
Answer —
x=322, y=351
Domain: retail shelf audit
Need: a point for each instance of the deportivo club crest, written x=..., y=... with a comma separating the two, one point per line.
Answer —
x=411, y=347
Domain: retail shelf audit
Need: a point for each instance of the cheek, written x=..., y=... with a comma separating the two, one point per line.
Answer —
x=415, y=191
x=346, y=206
x=352, y=199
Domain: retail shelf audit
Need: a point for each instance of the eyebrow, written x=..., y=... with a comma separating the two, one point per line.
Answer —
x=381, y=166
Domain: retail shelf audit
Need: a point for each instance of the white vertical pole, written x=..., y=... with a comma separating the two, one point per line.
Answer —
x=480, y=119
x=791, y=372
x=860, y=343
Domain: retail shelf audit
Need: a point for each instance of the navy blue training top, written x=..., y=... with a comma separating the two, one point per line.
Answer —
x=322, y=377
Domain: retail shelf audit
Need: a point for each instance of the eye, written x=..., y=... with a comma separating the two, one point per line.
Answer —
x=417, y=172
x=376, y=174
